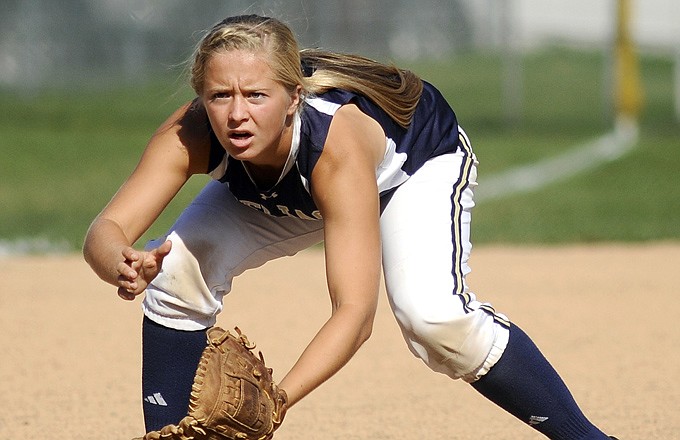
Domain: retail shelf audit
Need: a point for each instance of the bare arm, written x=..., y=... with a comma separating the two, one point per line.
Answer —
x=345, y=190
x=177, y=150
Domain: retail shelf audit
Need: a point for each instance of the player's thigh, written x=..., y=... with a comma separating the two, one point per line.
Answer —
x=227, y=237
x=425, y=231
x=215, y=239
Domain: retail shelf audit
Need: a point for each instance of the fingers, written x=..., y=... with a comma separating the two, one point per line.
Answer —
x=154, y=259
x=139, y=268
x=130, y=254
x=125, y=294
x=163, y=250
x=128, y=288
x=128, y=271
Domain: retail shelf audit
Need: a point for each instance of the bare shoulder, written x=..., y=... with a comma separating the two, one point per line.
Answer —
x=345, y=172
x=185, y=135
x=352, y=132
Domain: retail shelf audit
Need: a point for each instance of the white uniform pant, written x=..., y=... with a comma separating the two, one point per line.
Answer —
x=425, y=231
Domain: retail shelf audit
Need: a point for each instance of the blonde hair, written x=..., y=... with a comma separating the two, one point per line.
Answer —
x=395, y=91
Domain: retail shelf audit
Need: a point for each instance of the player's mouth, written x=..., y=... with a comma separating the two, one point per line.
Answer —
x=240, y=139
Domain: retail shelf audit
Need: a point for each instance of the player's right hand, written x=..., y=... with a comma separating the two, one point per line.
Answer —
x=139, y=268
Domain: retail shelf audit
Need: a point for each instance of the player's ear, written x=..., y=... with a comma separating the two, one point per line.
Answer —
x=295, y=99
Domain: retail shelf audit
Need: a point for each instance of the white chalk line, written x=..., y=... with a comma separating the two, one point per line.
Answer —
x=526, y=178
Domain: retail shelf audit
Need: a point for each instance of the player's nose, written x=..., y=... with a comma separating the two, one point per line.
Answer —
x=238, y=111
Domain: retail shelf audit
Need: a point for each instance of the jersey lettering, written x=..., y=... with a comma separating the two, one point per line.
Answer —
x=283, y=211
x=256, y=206
x=316, y=215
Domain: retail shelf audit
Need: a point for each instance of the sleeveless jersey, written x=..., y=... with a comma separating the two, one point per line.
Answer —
x=433, y=131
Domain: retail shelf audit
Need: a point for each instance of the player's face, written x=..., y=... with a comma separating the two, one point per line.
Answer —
x=249, y=111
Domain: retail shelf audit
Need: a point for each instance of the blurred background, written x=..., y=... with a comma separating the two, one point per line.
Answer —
x=573, y=107
x=66, y=42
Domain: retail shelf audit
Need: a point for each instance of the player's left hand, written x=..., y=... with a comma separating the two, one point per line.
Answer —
x=233, y=395
x=140, y=268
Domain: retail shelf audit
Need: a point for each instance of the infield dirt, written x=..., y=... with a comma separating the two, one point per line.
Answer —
x=605, y=316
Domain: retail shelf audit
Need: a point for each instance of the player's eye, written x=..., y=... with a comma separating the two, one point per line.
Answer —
x=256, y=95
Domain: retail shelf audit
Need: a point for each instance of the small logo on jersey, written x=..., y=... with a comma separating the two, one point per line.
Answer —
x=536, y=420
x=156, y=399
x=271, y=196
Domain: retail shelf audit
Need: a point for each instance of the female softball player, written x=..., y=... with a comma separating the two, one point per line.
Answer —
x=310, y=146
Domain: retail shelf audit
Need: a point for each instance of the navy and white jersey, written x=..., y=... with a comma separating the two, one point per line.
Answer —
x=433, y=131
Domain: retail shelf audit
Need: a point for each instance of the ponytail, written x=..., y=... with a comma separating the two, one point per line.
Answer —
x=396, y=91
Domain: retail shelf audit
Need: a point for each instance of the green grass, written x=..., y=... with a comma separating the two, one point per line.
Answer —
x=636, y=198
x=64, y=154
x=633, y=199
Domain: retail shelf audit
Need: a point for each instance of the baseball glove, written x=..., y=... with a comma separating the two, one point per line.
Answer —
x=233, y=395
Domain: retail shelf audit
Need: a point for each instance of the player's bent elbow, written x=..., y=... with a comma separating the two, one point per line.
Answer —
x=366, y=332
x=366, y=328
x=363, y=325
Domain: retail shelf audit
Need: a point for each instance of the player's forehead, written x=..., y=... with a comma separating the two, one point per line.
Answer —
x=239, y=67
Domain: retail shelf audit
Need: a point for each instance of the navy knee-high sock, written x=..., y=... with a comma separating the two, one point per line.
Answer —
x=169, y=361
x=523, y=383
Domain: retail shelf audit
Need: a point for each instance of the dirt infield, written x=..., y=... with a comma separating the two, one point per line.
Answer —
x=606, y=317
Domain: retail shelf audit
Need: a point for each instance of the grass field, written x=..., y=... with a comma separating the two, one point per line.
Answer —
x=63, y=153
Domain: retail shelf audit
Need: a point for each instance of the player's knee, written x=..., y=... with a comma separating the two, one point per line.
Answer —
x=456, y=345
